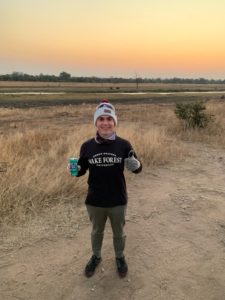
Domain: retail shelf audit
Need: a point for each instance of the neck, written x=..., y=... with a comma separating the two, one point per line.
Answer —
x=105, y=136
x=105, y=139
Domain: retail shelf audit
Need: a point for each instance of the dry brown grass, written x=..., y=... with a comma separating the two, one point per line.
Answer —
x=153, y=145
x=37, y=152
x=36, y=177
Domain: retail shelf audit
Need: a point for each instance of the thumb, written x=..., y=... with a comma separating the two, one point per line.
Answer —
x=131, y=153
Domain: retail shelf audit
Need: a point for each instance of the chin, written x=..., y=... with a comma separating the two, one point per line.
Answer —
x=106, y=133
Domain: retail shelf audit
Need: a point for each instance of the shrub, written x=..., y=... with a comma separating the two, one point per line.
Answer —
x=193, y=115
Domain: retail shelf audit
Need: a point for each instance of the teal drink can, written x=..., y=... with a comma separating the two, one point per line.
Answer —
x=73, y=166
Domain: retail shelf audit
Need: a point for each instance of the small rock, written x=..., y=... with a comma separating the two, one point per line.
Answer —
x=184, y=206
x=93, y=288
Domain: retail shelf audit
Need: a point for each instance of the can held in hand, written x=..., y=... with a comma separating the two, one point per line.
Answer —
x=73, y=166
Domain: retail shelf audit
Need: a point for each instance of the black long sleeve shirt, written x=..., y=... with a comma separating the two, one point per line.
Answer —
x=106, y=181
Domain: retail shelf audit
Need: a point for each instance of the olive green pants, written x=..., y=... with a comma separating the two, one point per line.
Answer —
x=98, y=217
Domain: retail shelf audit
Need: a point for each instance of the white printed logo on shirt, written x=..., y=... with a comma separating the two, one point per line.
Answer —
x=105, y=159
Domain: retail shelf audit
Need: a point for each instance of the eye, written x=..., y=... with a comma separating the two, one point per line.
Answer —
x=105, y=118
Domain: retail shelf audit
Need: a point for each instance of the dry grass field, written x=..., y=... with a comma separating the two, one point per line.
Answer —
x=37, y=142
x=41, y=207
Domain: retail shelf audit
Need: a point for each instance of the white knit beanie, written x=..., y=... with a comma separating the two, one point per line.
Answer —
x=105, y=109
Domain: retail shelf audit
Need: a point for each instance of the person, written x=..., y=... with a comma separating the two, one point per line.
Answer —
x=105, y=156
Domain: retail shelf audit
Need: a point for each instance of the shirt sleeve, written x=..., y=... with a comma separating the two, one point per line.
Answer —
x=83, y=161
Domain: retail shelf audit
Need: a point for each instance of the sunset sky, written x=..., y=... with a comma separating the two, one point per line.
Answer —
x=151, y=38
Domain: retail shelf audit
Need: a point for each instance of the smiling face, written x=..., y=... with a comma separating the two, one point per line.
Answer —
x=105, y=126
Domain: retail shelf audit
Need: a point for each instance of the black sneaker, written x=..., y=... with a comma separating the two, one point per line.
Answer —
x=91, y=265
x=122, y=267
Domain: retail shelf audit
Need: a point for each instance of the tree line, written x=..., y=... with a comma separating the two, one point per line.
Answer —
x=66, y=77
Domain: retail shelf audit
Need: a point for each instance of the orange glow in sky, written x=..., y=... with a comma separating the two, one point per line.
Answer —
x=114, y=38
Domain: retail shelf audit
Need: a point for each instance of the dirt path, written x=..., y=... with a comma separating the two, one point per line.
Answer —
x=175, y=243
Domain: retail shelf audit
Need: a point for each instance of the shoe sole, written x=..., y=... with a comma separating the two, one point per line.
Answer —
x=122, y=275
x=91, y=273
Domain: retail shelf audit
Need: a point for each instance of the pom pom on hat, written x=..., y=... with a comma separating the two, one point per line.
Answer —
x=105, y=101
x=105, y=109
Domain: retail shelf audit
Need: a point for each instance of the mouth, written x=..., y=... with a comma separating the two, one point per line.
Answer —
x=105, y=128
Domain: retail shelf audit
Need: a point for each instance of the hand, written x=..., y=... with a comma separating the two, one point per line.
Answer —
x=68, y=168
x=131, y=163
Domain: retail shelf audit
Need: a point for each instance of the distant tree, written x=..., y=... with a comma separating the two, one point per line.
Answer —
x=137, y=80
x=17, y=76
x=63, y=76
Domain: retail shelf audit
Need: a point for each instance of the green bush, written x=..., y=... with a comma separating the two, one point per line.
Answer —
x=193, y=115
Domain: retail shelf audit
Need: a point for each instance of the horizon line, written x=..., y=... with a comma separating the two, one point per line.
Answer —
x=113, y=77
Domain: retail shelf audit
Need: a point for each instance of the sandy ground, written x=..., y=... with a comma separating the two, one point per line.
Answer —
x=175, y=243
